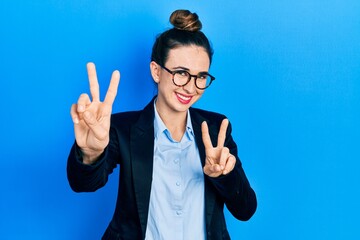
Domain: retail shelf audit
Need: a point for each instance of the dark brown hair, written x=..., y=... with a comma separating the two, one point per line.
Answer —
x=186, y=31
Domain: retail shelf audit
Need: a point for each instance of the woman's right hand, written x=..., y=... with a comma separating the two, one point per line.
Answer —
x=92, y=117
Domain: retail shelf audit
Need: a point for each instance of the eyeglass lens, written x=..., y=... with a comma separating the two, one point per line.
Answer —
x=181, y=78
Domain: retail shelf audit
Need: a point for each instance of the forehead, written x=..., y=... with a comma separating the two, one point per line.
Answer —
x=191, y=57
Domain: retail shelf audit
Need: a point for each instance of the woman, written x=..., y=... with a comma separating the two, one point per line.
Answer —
x=179, y=165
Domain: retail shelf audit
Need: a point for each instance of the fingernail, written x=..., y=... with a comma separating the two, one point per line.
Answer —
x=76, y=120
x=81, y=108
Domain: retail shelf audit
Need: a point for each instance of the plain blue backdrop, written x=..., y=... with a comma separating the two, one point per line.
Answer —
x=287, y=76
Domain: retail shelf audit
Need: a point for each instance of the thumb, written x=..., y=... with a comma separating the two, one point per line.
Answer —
x=89, y=119
x=99, y=132
x=212, y=170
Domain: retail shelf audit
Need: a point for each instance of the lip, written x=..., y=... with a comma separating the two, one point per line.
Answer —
x=183, y=98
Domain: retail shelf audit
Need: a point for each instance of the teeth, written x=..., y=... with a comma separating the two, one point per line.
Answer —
x=183, y=97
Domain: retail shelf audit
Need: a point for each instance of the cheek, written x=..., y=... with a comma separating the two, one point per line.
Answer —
x=200, y=92
x=165, y=86
x=164, y=80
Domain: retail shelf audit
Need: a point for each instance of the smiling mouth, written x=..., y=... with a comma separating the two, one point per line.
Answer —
x=183, y=99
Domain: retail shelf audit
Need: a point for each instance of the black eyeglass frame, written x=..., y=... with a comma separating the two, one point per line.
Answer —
x=212, y=78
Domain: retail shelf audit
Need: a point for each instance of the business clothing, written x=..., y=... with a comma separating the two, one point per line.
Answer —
x=177, y=174
x=132, y=147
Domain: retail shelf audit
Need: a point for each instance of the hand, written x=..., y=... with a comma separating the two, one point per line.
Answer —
x=218, y=159
x=92, y=118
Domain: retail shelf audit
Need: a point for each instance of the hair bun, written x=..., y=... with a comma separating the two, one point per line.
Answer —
x=185, y=20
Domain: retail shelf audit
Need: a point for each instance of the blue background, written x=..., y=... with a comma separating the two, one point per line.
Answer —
x=288, y=78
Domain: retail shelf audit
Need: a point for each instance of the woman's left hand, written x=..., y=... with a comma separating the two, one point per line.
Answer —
x=219, y=160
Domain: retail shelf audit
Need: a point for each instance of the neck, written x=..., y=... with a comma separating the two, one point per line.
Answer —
x=175, y=122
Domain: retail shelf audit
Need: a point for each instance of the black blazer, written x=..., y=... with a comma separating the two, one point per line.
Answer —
x=131, y=146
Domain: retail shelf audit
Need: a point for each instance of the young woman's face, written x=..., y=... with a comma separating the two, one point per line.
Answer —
x=172, y=98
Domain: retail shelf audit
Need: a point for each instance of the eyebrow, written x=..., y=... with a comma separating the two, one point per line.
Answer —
x=187, y=69
x=183, y=68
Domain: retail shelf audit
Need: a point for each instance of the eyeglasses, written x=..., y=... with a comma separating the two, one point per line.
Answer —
x=182, y=77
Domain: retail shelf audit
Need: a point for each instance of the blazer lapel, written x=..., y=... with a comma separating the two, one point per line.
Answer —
x=142, y=151
x=196, y=120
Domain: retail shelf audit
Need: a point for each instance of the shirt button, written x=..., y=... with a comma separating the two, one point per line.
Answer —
x=176, y=161
x=178, y=213
x=177, y=183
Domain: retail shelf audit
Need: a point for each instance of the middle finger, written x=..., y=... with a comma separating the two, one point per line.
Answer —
x=222, y=133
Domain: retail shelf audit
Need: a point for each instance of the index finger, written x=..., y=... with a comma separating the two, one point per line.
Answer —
x=205, y=135
x=112, y=90
x=93, y=81
x=222, y=132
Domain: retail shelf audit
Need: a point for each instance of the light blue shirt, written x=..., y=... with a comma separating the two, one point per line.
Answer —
x=176, y=210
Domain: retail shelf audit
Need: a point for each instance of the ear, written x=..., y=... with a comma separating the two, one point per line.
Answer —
x=155, y=71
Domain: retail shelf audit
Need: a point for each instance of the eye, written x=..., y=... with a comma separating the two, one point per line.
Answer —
x=203, y=76
x=182, y=73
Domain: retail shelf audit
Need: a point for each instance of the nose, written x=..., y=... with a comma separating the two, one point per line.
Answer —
x=190, y=87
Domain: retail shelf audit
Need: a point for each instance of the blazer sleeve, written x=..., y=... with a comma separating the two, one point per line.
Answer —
x=89, y=178
x=234, y=188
